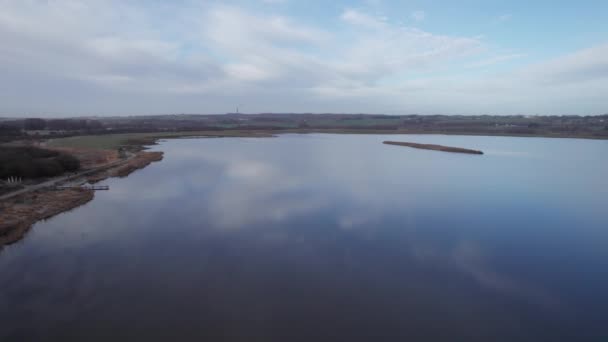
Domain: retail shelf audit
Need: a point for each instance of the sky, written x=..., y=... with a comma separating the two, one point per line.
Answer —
x=134, y=57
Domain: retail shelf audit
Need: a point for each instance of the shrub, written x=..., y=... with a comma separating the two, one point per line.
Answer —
x=68, y=162
x=46, y=168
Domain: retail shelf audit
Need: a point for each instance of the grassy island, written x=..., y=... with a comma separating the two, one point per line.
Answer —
x=433, y=147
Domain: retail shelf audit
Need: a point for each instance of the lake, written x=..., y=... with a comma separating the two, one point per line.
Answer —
x=323, y=237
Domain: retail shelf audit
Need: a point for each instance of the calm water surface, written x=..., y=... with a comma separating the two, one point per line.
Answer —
x=326, y=238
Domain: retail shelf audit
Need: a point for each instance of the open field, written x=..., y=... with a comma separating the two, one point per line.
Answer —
x=105, y=142
x=115, y=141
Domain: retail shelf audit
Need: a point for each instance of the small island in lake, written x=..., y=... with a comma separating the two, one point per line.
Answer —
x=433, y=147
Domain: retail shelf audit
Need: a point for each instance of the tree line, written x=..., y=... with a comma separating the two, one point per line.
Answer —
x=37, y=124
x=32, y=162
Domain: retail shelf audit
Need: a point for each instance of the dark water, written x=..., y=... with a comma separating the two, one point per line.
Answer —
x=326, y=238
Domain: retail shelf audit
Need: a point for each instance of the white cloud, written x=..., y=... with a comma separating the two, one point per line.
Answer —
x=381, y=50
x=582, y=66
x=418, y=16
x=236, y=29
x=505, y=17
x=359, y=18
x=496, y=60
x=115, y=57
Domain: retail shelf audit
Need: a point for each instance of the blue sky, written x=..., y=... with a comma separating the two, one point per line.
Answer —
x=111, y=57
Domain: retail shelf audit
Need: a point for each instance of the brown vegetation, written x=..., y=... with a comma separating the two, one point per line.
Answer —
x=90, y=158
x=141, y=160
x=19, y=213
x=433, y=147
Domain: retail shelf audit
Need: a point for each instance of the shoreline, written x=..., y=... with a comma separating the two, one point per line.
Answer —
x=137, y=141
x=414, y=132
x=12, y=230
x=140, y=161
x=21, y=212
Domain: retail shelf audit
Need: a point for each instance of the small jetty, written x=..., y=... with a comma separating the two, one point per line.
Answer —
x=433, y=147
x=86, y=187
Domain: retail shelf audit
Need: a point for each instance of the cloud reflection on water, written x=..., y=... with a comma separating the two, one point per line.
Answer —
x=356, y=224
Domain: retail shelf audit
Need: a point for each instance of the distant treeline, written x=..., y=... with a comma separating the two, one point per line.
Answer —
x=516, y=125
x=37, y=124
x=31, y=162
x=33, y=128
x=561, y=126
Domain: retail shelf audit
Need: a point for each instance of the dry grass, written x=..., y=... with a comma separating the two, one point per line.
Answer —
x=21, y=212
x=141, y=160
x=115, y=141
